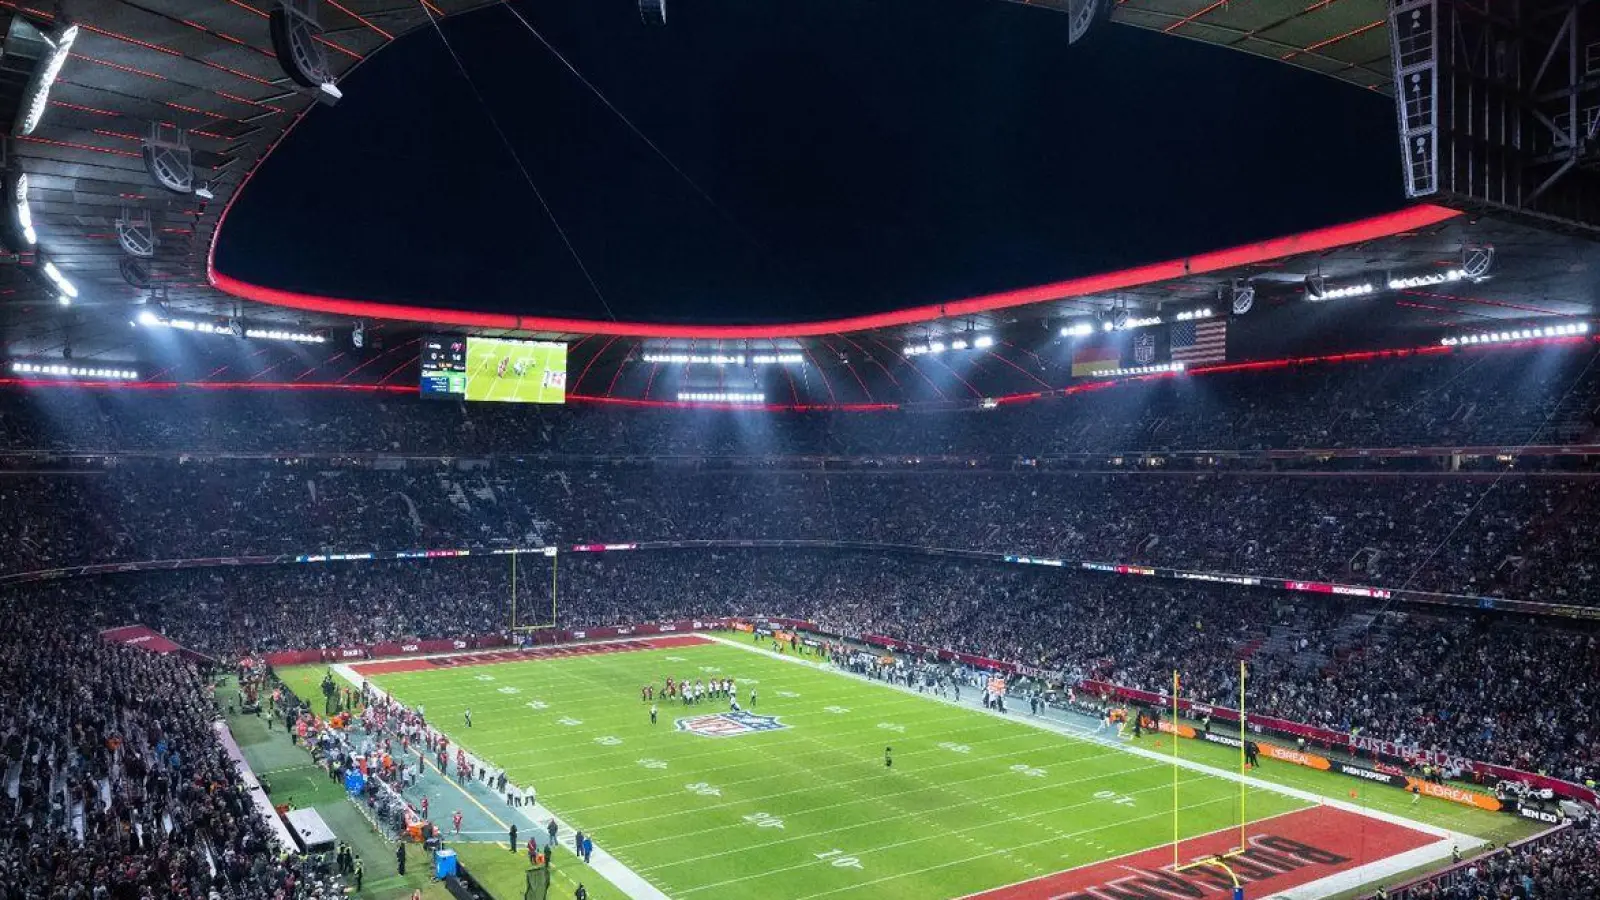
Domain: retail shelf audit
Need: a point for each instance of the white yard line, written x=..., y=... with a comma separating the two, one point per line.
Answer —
x=636, y=887
x=1333, y=884
x=629, y=882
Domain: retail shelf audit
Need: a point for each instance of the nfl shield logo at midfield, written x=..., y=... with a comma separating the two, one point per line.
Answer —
x=1144, y=349
x=729, y=724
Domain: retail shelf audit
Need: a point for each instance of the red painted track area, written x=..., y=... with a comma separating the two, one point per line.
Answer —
x=1285, y=852
x=395, y=666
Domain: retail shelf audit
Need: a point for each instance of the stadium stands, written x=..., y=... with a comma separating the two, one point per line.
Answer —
x=1488, y=397
x=1527, y=540
x=116, y=785
x=130, y=477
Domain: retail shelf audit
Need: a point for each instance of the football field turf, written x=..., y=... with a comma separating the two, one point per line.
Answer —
x=801, y=805
x=543, y=379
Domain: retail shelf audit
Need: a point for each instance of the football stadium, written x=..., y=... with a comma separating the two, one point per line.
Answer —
x=643, y=449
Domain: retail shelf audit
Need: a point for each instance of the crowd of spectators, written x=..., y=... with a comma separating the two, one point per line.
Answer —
x=115, y=784
x=1471, y=687
x=117, y=787
x=1499, y=397
x=1523, y=536
x=1565, y=866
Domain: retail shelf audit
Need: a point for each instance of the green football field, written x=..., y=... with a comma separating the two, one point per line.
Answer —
x=808, y=809
x=543, y=378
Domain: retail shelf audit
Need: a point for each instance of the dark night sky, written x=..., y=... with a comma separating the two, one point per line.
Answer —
x=866, y=155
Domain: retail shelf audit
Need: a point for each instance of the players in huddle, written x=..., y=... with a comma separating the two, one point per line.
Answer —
x=693, y=692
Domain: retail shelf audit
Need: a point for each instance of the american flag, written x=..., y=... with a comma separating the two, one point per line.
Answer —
x=1200, y=342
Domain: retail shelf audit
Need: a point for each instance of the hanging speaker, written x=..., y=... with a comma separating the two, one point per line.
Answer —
x=295, y=31
x=135, y=271
x=1244, y=297
x=168, y=159
x=1476, y=261
x=1084, y=15
x=137, y=234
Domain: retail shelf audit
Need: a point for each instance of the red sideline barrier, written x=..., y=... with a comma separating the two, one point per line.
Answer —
x=1356, y=746
x=411, y=648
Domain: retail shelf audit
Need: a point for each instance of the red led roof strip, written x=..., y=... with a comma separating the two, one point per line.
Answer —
x=1389, y=224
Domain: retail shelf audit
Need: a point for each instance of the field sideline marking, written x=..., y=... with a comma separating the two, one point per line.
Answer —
x=1042, y=725
x=1031, y=819
x=630, y=883
x=1332, y=884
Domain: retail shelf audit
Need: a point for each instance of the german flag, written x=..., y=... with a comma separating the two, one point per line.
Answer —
x=1092, y=360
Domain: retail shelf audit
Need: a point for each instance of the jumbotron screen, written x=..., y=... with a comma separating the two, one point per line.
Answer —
x=494, y=369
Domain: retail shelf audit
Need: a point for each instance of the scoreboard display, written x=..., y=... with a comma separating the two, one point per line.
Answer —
x=494, y=369
x=444, y=366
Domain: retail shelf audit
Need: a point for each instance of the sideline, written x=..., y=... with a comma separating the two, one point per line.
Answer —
x=624, y=879
x=1333, y=884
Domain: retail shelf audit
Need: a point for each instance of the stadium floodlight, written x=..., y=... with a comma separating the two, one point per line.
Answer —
x=45, y=73
x=936, y=347
x=1107, y=325
x=777, y=359
x=1193, y=314
x=61, y=281
x=1568, y=329
x=720, y=397
x=64, y=300
x=698, y=359
x=983, y=342
x=1414, y=281
x=1317, y=291
x=1081, y=329
x=298, y=337
x=19, y=199
x=1155, y=369
x=958, y=344
x=55, y=370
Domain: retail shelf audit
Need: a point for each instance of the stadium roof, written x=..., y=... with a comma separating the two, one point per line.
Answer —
x=1345, y=39
x=211, y=70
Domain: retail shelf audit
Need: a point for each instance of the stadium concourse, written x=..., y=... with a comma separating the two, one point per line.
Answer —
x=1331, y=473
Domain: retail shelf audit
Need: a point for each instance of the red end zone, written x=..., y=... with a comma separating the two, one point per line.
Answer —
x=1285, y=852
x=504, y=656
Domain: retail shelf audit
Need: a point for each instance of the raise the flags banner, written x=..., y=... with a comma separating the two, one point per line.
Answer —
x=1200, y=342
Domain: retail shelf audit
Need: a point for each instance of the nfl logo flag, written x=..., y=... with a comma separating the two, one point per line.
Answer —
x=1200, y=342
x=1144, y=349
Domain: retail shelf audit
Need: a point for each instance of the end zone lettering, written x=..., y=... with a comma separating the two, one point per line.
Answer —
x=1290, y=851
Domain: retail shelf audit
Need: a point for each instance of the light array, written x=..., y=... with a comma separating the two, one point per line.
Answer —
x=1145, y=322
x=151, y=320
x=19, y=199
x=725, y=359
x=70, y=371
x=1191, y=315
x=45, y=77
x=273, y=334
x=1349, y=290
x=719, y=397
x=69, y=291
x=1144, y=370
x=1517, y=334
x=1081, y=329
x=980, y=342
x=1414, y=281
